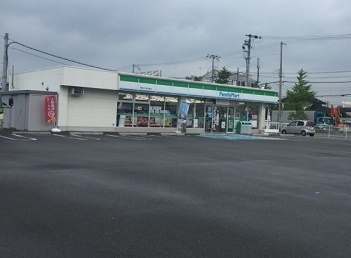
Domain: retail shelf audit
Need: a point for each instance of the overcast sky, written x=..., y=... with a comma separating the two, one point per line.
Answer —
x=175, y=36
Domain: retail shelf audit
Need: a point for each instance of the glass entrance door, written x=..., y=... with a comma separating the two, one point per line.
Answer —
x=231, y=117
x=222, y=119
x=219, y=119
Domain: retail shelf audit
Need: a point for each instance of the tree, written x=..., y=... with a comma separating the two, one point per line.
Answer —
x=223, y=76
x=300, y=97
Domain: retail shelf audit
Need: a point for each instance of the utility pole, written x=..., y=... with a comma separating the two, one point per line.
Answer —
x=5, y=64
x=213, y=68
x=247, y=49
x=258, y=71
x=237, y=77
x=280, y=84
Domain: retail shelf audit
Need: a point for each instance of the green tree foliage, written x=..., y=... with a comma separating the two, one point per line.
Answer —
x=223, y=76
x=300, y=97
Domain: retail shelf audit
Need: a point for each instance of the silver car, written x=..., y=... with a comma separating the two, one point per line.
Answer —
x=302, y=127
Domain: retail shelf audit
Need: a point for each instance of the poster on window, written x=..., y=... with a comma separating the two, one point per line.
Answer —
x=50, y=109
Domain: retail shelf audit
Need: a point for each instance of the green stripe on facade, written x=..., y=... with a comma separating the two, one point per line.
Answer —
x=147, y=80
x=196, y=85
x=165, y=82
x=128, y=78
x=247, y=91
x=219, y=88
x=209, y=87
x=181, y=84
x=273, y=94
x=256, y=92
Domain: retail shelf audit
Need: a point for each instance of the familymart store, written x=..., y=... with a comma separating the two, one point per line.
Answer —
x=156, y=104
x=107, y=101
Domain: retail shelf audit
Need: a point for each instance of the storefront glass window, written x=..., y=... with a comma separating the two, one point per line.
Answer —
x=124, y=114
x=199, y=119
x=141, y=114
x=195, y=117
x=190, y=115
x=241, y=111
x=140, y=110
x=157, y=104
x=170, y=112
x=253, y=114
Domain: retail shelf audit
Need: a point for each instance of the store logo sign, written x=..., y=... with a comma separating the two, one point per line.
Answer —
x=145, y=88
x=229, y=95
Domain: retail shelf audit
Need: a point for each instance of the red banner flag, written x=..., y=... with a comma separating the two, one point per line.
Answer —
x=50, y=109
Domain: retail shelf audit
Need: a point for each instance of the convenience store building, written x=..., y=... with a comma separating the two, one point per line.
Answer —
x=105, y=101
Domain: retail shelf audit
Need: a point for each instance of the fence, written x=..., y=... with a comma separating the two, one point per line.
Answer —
x=331, y=131
x=327, y=131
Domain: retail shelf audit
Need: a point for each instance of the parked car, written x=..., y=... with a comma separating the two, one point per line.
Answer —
x=302, y=127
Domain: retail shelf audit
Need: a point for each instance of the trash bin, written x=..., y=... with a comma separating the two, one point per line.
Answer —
x=246, y=127
x=183, y=127
x=238, y=127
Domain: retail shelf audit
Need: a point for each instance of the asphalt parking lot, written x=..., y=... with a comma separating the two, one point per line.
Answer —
x=174, y=196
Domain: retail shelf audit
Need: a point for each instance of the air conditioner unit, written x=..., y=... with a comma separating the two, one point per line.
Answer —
x=77, y=91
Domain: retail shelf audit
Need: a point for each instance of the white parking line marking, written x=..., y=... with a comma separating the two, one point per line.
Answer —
x=76, y=138
x=239, y=137
x=137, y=138
x=86, y=137
x=24, y=137
x=12, y=139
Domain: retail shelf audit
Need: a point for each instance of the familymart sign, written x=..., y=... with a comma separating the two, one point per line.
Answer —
x=229, y=95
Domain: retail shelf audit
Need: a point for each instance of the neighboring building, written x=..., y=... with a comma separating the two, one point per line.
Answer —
x=317, y=106
x=28, y=113
x=236, y=78
x=346, y=104
x=95, y=100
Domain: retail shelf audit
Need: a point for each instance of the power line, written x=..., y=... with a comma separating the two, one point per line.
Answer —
x=323, y=72
x=38, y=56
x=59, y=57
x=334, y=95
x=322, y=82
x=174, y=62
x=310, y=38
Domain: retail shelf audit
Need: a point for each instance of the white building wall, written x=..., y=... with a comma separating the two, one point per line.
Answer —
x=95, y=110
x=47, y=79
x=36, y=114
x=50, y=79
x=89, y=78
x=62, y=104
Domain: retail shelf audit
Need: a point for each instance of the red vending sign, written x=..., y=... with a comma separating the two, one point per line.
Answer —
x=50, y=109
